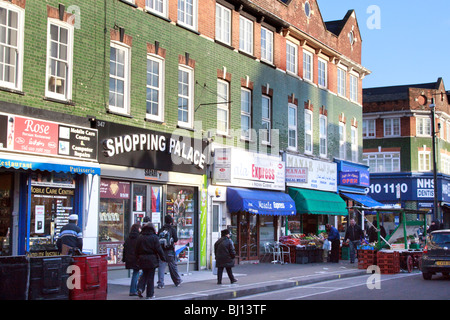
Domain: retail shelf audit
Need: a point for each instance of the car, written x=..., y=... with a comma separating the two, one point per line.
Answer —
x=436, y=254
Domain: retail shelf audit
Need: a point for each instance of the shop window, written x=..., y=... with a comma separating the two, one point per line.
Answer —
x=6, y=182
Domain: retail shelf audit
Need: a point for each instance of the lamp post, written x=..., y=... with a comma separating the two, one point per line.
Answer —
x=433, y=132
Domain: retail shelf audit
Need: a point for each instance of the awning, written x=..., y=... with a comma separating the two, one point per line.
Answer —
x=270, y=203
x=309, y=201
x=28, y=162
x=364, y=200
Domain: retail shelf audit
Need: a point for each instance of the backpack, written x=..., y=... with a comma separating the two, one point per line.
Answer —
x=165, y=239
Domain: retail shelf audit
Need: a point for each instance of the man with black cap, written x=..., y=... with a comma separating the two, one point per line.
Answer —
x=70, y=235
x=225, y=254
x=168, y=236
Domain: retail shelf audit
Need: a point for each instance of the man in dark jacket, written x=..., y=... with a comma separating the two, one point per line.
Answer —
x=335, y=239
x=225, y=253
x=70, y=235
x=169, y=253
x=148, y=252
x=353, y=237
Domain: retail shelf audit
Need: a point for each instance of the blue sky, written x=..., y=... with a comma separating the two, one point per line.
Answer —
x=408, y=44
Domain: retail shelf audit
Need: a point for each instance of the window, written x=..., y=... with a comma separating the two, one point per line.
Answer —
x=246, y=113
x=424, y=161
x=223, y=89
x=354, y=144
x=307, y=9
x=307, y=66
x=353, y=88
x=223, y=24
x=266, y=119
x=308, y=132
x=292, y=126
x=342, y=80
x=369, y=128
x=155, y=88
x=187, y=13
x=423, y=126
x=342, y=141
x=447, y=130
x=157, y=6
x=323, y=73
x=185, y=96
x=382, y=162
x=245, y=35
x=392, y=127
x=266, y=45
x=11, y=46
x=291, y=57
x=59, y=60
x=323, y=135
x=119, y=69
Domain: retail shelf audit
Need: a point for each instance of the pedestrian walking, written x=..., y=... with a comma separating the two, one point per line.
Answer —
x=129, y=256
x=353, y=237
x=373, y=232
x=148, y=252
x=225, y=254
x=168, y=237
x=70, y=237
x=334, y=238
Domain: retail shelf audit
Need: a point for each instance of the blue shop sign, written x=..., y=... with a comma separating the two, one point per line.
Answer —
x=349, y=171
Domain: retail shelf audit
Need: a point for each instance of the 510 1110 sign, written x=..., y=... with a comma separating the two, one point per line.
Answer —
x=388, y=188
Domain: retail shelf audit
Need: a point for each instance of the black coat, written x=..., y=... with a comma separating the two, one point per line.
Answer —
x=225, y=253
x=354, y=233
x=148, y=249
x=129, y=251
x=173, y=234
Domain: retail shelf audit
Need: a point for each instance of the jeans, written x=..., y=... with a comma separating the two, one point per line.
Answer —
x=134, y=281
x=148, y=279
x=352, y=247
x=173, y=268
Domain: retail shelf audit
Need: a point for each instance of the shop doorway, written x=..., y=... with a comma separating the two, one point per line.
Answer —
x=6, y=183
x=246, y=234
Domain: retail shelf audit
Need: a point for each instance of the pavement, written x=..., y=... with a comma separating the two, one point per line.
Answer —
x=252, y=279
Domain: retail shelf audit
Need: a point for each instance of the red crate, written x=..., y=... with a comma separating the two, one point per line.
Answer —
x=93, y=282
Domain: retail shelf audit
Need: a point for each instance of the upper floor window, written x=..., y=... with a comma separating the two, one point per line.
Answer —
x=223, y=24
x=59, y=60
x=245, y=35
x=308, y=65
x=155, y=88
x=322, y=73
x=119, y=78
x=354, y=137
x=266, y=120
x=223, y=92
x=392, y=127
x=187, y=13
x=11, y=46
x=323, y=135
x=246, y=113
x=266, y=45
x=157, y=6
x=292, y=126
x=424, y=160
x=291, y=57
x=342, y=82
x=353, y=88
x=342, y=141
x=423, y=126
x=185, y=96
x=382, y=162
x=308, y=132
x=369, y=128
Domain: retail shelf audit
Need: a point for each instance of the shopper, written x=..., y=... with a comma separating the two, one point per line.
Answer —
x=373, y=232
x=70, y=237
x=334, y=238
x=169, y=252
x=129, y=256
x=225, y=253
x=148, y=252
x=353, y=237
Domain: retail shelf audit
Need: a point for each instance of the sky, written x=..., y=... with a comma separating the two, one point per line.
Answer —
x=404, y=41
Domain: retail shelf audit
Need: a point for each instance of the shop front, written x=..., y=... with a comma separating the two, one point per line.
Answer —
x=150, y=174
x=253, y=200
x=312, y=184
x=48, y=171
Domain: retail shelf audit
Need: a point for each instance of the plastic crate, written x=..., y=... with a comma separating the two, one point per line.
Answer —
x=14, y=278
x=93, y=282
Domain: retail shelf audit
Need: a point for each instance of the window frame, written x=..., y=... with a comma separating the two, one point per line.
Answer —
x=341, y=82
x=127, y=76
x=322, y=73
x=309, y=132
x=223, y=104
x=292, y=127
x=245, y=23
x=389, y=127
x=224, y=27
x=421, y=126
x=160, y=88
x=67, y=96
x=323, y=135
x=268, y=46
x=342, y=140
x=289, y=57
x=182, y=10
x=308, y=70
x=367, y=133
x=190, y=97
x=268, y=119
x=247, y=114
x=163, y=13
x=424, y=156
x=354, y=144
x=379, y=158
x=353, y=88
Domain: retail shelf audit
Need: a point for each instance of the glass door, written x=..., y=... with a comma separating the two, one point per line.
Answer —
x=248, y=236
x=6, y=182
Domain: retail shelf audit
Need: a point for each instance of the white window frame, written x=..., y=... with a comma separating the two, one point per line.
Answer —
x=424, y=161
x=308, y=65
x=389, y=127
x=246, y=35
x=18, y=47
x=353, y=88
x=266, y=120
x=322, y=76
x=292, y=126
x=341, y=82
x=223, y=24
x=423, y=126
x=182, y=14
x=342, y=141
x=246, y=112
x=67, y=95
x=377, y=161
x=368, y=125
x=266, y=45
x=323, y=135
x=309, y=132
x=291, y=57
x=189, y=97
x=151, y=6
x=354, y=142
x=159, y=88
x=223, y=105
x=126, y=79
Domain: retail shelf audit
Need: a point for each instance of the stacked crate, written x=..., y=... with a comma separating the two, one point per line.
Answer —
x=366, y=258
x=388, y=262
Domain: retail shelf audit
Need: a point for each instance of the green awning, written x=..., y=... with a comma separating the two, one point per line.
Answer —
x=318, y=202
